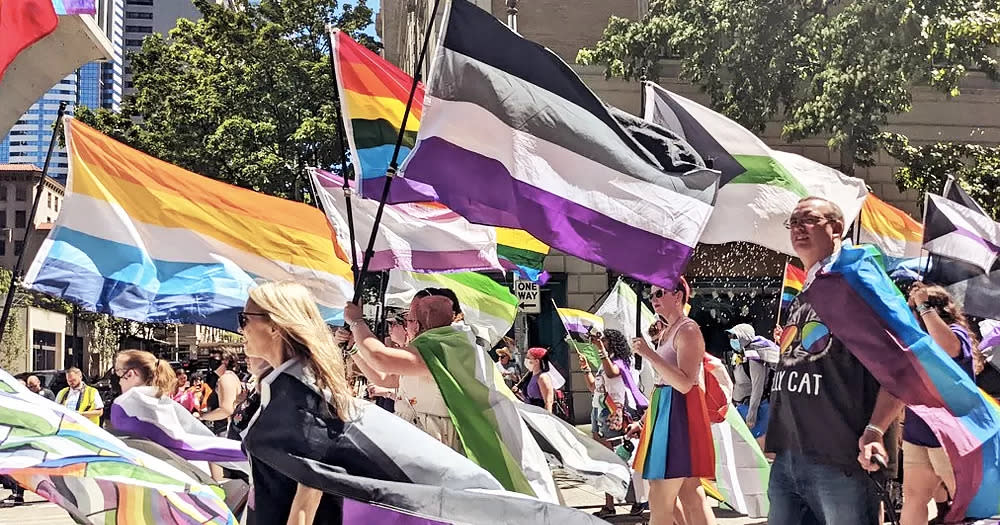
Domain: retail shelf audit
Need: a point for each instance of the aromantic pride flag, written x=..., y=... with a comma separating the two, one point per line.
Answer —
x=863, y=308
x=489, y=307
x=512, y=137
x=794, y=280
x=22, y=23
x=760, y=186
x=417, y=236
x=61, y=456
x=145, y=240
x=485, y=412
x=374, y=93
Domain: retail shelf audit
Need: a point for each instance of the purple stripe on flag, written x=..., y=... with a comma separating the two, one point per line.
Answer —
x=422, y=261
x=979, y=239
x=358, y=513
x=482, y=190
x=136, y=427
x=577, y=328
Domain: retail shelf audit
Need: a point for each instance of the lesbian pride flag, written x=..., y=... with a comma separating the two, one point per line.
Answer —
x=861, y=306
x=145, y=240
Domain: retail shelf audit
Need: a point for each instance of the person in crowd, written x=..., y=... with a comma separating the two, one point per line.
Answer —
x=81, y=397
x=200, y=391
x=753, y=373
x=182, y=392
x=249, y=403
x=537, y=386
x=828, y=413
x=221, y=402
x=35, y=385
x=679, y=406
x=925, y=462
x=610, y=407
x=137, y=368
x=404, y=368
x=507, y=366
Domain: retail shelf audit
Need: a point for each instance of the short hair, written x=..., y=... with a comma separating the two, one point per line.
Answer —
x=835, y=212
x=229, y=355
x=75, y=371
x=433, y=312
x=456, y=308
x=36, y=380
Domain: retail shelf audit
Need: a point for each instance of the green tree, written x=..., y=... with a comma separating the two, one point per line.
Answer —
x=243, y=95
x=13, y=345
x=836, y=68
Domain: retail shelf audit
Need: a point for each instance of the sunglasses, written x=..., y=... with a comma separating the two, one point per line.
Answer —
x=244, y=317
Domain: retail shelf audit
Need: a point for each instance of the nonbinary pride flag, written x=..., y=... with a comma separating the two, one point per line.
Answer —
x=142, y=239
x=512, y=137
x=580, y=325
x=864, y=309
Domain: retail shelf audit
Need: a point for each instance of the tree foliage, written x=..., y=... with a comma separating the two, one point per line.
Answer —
x=833, y=68
x=243, y=95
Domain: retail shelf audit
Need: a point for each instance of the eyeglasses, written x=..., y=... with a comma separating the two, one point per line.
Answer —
x=243, y=317
x=808, y=221
x=120, y=372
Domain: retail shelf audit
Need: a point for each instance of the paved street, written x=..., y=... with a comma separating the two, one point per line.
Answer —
x=40, y=512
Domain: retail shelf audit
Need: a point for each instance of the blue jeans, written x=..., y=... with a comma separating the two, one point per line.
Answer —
x=805, y=491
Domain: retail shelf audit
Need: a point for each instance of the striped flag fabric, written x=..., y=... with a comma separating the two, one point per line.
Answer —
x=960, y=233
x=892, y=230
x=512, y=137
x=488, y=306
x=618, y=312
x=792, y=283
x=521, y=252
x=64, y=458
x=760, y=186
x=75, y=7
x=373, y=95
x=741, y=469
x=862, y=307
x=419, y=236
x=145, y=240
x=579, y=327
x=22, y=23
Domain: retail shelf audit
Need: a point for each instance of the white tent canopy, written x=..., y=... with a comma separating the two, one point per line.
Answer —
x=77, y=40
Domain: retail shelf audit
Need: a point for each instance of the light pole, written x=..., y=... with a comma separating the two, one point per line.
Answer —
x=512, y=15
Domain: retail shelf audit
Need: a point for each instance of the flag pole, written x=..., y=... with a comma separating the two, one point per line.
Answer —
x=29, y=227
x=394, y=163
x=343, y=156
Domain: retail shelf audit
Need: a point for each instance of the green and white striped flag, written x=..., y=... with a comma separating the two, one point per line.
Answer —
x=760, y=186
x=488, y=305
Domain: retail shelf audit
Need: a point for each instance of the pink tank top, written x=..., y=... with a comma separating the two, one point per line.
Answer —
x=667, y=351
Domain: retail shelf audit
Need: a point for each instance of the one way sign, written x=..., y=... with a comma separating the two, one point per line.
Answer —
x=528, y=296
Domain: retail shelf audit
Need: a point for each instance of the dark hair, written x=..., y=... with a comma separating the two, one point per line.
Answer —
x=951, y=313
x=456, y=308
x=617, y=346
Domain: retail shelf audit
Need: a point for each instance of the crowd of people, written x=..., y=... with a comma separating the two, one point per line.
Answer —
x=816, y=410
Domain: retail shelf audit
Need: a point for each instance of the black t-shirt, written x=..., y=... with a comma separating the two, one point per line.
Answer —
x=822, y=397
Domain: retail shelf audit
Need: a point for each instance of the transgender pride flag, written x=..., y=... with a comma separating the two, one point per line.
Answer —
x=511, y=137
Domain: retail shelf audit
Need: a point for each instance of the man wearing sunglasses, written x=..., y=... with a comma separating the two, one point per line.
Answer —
x=828, y=413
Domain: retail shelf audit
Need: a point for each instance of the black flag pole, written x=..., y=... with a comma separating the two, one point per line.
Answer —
x=394, y=163
x=29, y=227
x=343, y=157
x=638, y=320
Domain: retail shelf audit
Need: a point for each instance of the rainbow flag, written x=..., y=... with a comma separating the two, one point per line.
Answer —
x=64, y=458
x=894, y=232
x=373, y=95
x=521, y=252
x=579, y=326
x=145, y=240
x=861, y=307
x=795, y=278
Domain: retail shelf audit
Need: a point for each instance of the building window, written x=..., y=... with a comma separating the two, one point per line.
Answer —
x=57, y=203
x=138, y=15
x=18, y=247
x=3, y=218
x=139, y=2
x=132, y=42
x=3, y=248
x=139, y=29
x=44, y=345
x=49, y=195
x=20, y=193
x=3, y=193
x=20, y=219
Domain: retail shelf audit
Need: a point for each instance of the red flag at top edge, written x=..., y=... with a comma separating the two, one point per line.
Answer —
x=22, y=23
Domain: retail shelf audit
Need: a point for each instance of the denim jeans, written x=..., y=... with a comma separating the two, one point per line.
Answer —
x=805, y=491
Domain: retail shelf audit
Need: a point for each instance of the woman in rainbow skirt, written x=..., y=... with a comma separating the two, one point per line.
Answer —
x=676, y=450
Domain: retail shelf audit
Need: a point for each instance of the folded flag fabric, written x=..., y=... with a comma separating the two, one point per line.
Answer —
x=484, y=412
x=741, y=469
x=792, y=283
x=373, y=95
x=957, y=232
x=618, y=312
x=421, y=237
x=75, y=7
x=145, y=240
x=535, y=149
x=760, y=186
x=861, y=307
x=890, y=229
x=162, y=420
x=521, y=252
x=66, y=459
x=990, y=329
x=580, y=326
x=22, y=23
x=488, y=306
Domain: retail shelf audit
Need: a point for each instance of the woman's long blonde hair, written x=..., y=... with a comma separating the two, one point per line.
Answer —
x=154, y=372
x=292, y=308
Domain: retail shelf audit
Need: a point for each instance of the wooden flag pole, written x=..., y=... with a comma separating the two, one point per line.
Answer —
x=781, y=289
x=394, y=163
x=15, y=273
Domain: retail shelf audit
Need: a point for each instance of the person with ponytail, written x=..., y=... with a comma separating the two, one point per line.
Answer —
x=146, y=409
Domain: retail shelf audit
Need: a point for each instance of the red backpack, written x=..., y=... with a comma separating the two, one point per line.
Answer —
x=718, y=389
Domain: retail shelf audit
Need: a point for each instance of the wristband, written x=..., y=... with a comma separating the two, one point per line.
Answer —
x=923, y=308
x=352, y=324
x=875, y=430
